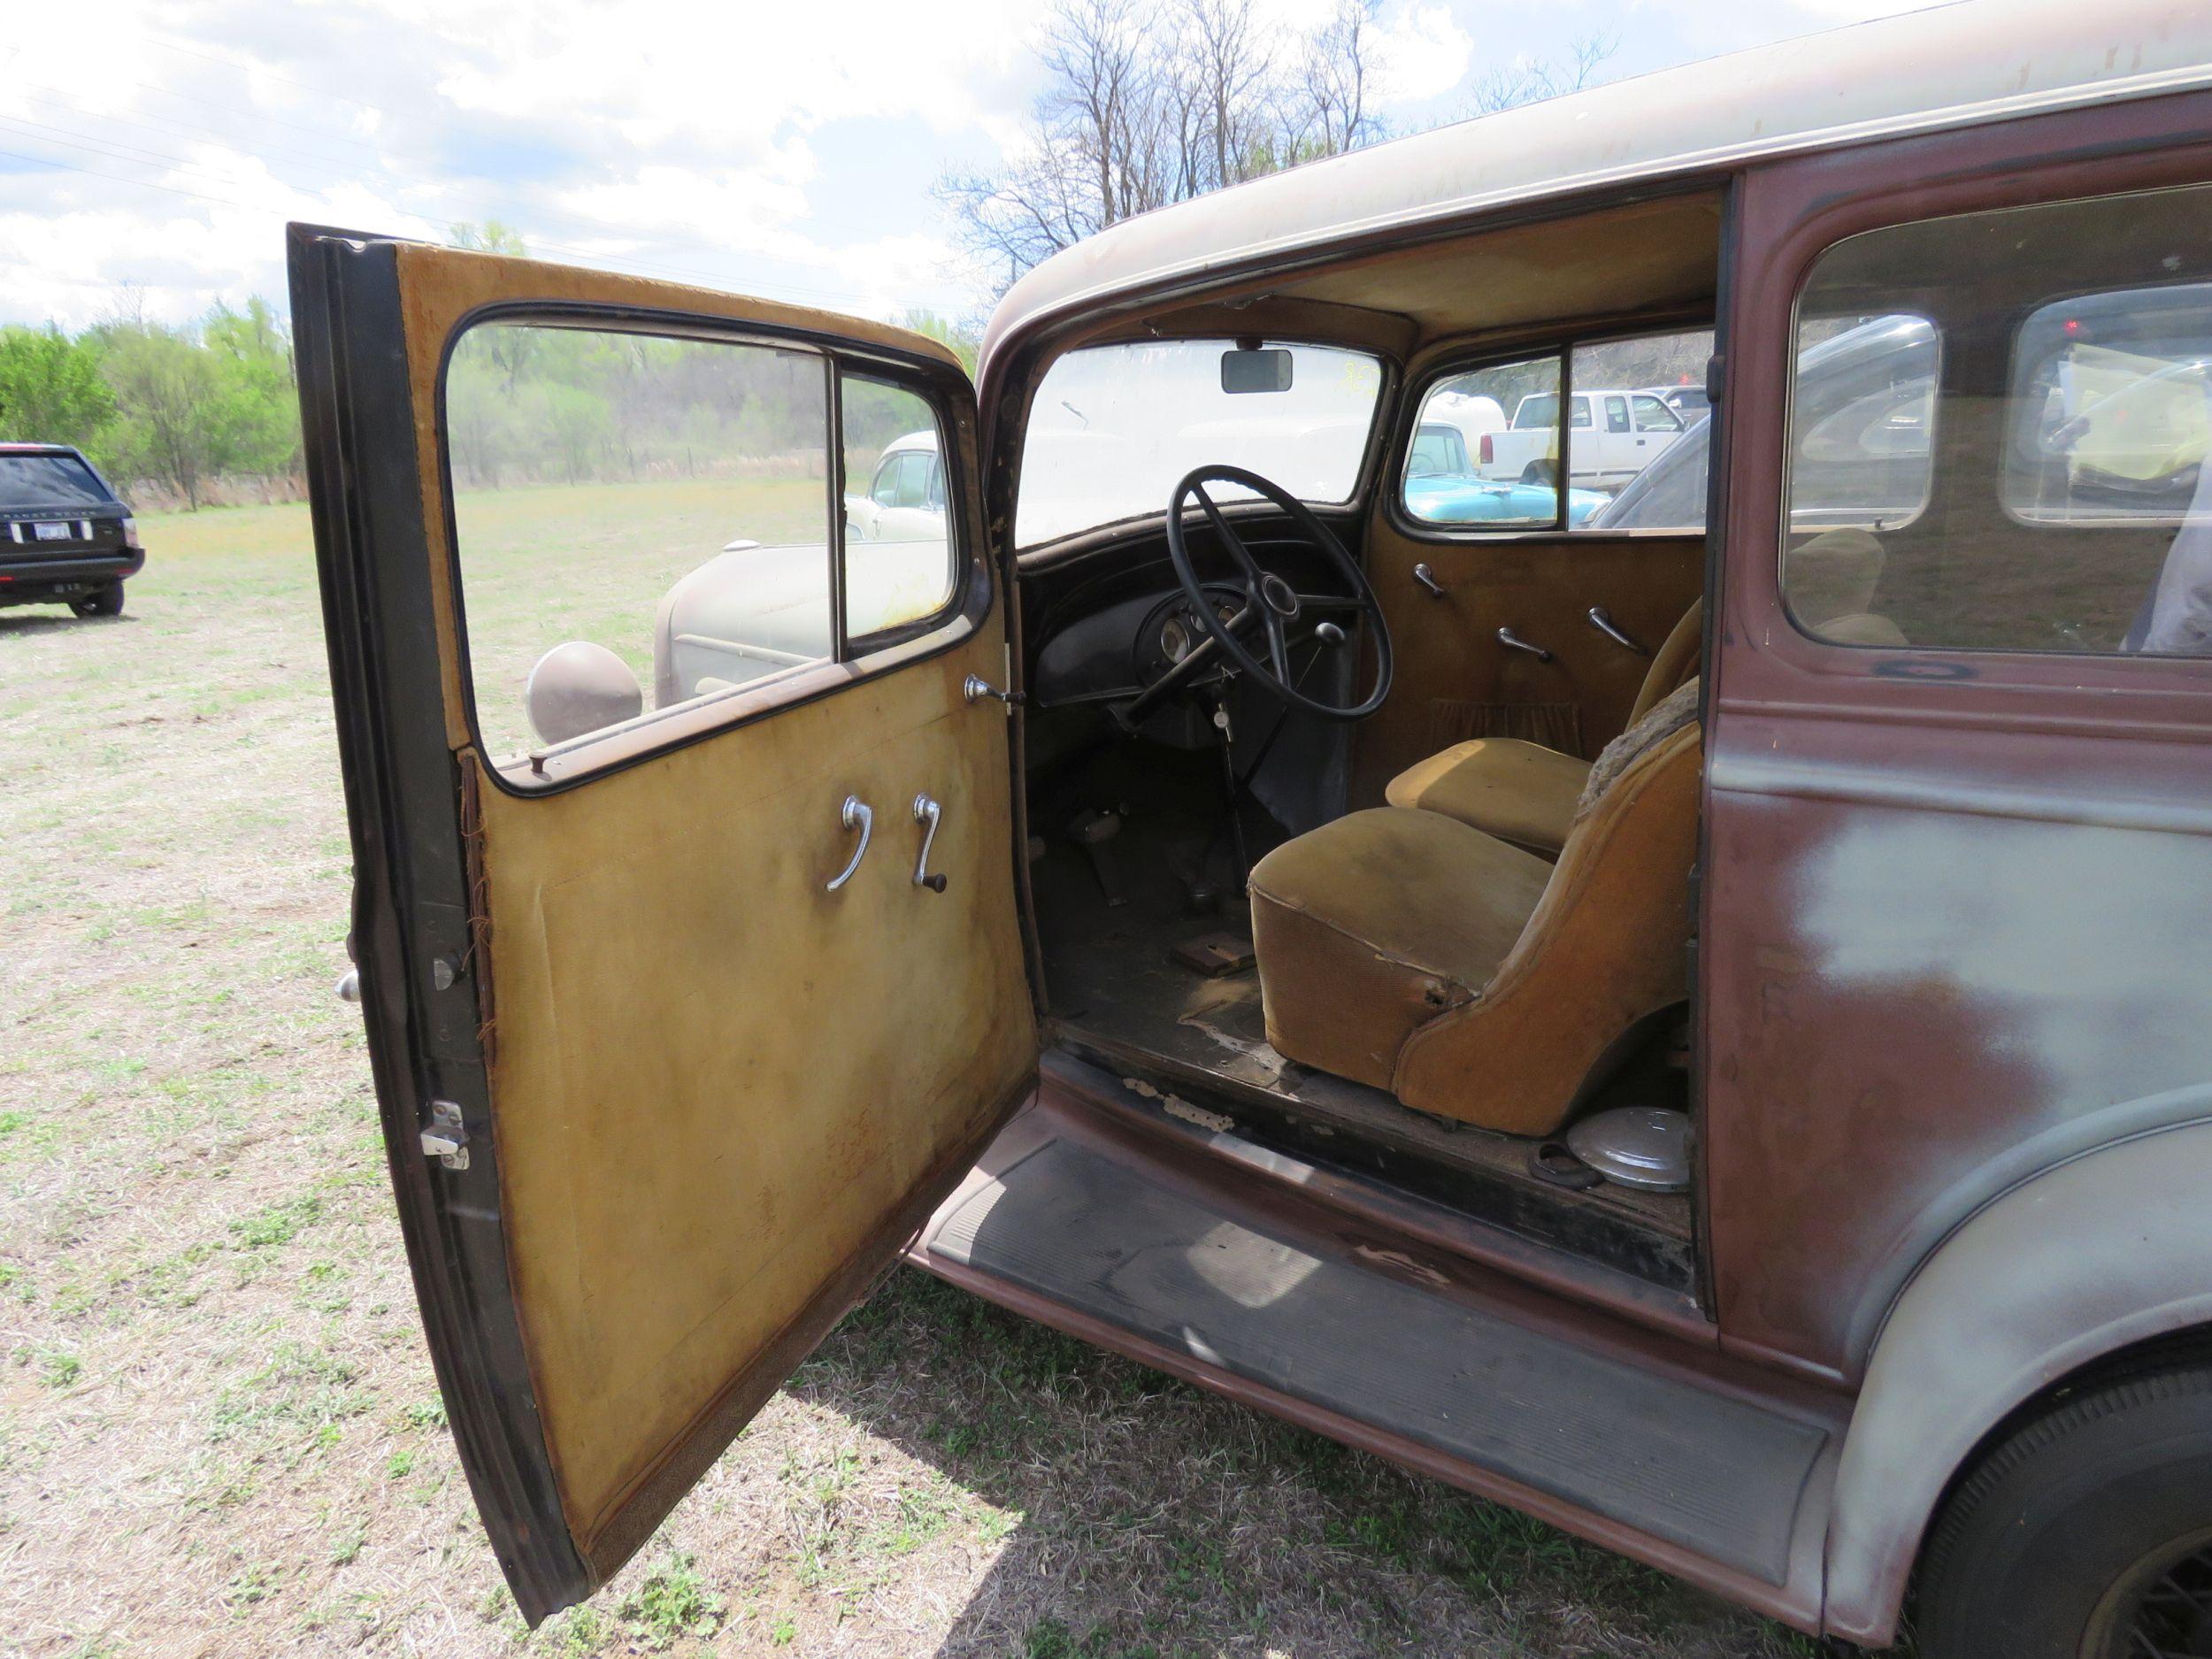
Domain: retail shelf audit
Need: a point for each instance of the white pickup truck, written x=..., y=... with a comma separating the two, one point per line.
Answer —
x=1613, y=435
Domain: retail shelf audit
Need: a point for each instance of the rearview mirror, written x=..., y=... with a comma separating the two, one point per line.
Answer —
x=580, y=688
x=1255, y=371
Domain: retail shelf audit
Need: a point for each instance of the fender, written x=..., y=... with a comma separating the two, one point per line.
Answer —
x=2089, y=1256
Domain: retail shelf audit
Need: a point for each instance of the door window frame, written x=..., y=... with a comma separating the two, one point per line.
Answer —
x=558, y=767
x=1795, y=209
x=1492, y=353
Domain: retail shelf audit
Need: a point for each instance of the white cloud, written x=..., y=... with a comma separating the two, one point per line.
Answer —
x=784, y=148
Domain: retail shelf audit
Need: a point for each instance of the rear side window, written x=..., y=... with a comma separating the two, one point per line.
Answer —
x=33, y=482
x=2000, y=431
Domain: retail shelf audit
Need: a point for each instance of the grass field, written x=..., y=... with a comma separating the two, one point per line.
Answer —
x=218, y=1431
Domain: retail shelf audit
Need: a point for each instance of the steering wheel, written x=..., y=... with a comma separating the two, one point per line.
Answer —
x=1270, y=601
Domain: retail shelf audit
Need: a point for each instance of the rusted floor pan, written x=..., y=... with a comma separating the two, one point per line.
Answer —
x=1094, y=1230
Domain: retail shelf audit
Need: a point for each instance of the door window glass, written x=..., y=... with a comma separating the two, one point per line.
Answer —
x=899, y=547
x=2000, y=432
x=1113, y=429
x=639, y=520
x=1485, y=446
x=1646, y=468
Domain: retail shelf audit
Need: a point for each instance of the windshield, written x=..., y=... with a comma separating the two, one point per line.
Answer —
x=48, y=481
x=1115, y=428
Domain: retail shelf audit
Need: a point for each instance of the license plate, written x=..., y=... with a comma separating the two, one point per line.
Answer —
x=52, y=532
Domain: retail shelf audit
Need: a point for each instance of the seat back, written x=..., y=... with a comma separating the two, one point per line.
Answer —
x=1607, y=945
x=1676, y=662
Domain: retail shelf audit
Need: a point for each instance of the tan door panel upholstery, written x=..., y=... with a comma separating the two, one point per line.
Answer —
x=1411, y=951
x=1524, y=793
x=1455, y=681
x=694, y=1135
x=714, y=1086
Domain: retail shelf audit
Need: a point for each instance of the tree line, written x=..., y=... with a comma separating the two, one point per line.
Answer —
x=174, y=406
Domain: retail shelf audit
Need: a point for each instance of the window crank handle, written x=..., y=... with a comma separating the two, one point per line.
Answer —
x=926, y=811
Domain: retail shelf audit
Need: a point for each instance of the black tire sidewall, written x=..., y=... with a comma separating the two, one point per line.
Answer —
x=2020, y=1570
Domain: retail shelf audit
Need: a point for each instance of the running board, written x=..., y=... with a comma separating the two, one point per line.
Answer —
x=1085, y=1230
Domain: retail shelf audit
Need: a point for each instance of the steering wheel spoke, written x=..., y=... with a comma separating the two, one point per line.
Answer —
x=1271, y=600
x=1231, y=542
x=1278, y=646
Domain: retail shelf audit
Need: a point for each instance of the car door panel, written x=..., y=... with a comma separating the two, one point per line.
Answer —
x=1455, y=678
x=705, y=1098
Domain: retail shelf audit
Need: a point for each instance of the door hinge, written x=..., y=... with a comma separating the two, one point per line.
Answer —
x=447, y=1140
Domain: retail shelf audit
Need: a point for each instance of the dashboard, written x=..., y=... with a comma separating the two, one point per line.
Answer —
x=1117, y=650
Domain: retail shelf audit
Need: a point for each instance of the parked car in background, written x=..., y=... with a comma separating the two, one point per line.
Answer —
x=1689, y=401
x=1442, y=486
x=906, y=496
x=1611, y=436
x=65, y=536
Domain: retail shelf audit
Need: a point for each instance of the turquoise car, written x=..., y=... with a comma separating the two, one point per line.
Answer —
x=1441, y=488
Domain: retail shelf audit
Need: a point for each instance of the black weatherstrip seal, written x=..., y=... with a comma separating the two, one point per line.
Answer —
x=410, y=894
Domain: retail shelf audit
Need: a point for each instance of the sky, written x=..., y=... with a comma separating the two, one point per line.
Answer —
x=152, y=151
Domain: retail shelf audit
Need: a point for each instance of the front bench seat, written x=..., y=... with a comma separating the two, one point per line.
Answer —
x=1405, y=949
x=1522, y=791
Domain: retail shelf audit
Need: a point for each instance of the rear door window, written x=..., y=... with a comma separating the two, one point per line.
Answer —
x=2001, y=432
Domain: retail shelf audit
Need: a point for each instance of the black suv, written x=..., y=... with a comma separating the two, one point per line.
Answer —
x=65, y=536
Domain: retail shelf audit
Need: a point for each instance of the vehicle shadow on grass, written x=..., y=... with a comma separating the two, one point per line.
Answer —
x=29, y=624
x=1136, y=1515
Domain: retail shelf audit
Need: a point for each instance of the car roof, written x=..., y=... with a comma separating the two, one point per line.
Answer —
x=39, y=449
x=1953, y=65
x=925, y=439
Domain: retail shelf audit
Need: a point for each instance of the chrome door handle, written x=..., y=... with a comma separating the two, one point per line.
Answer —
x=1612, y=631
x=927, y=811
x=1513, y=641
x=975, y=688
x=1426, y=577
x=854, y=815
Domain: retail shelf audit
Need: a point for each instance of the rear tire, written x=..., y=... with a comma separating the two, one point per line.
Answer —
x=2087, y=1535
x=1546, y=472
x=105, y=602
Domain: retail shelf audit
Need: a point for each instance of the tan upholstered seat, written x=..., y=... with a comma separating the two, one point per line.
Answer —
x=1409, y=950
x=1524, y=793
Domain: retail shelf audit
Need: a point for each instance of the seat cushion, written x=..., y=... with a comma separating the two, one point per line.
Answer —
x=1522, y=793
x=1375, y=922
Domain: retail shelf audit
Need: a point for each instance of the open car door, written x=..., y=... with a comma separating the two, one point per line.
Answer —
x=673, y=1046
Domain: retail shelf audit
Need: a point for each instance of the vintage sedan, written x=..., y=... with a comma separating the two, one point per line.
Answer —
x=1698, y=1028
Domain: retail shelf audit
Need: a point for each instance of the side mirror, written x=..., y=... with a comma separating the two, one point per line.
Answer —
x=579, y=687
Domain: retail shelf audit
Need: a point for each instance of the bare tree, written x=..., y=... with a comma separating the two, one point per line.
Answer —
x=1337, y=83
x=1532, y=80
x=1150, y=102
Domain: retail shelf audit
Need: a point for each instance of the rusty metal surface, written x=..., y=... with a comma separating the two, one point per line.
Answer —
x=1953, y=901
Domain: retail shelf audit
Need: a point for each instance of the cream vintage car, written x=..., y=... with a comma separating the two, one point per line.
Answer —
x=1694, y=1022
